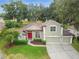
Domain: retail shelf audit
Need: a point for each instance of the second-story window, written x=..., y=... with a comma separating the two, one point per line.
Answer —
x=52, y=28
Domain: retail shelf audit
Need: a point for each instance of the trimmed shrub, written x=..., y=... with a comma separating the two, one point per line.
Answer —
x=75, y=39
x=20, y=42
x=40, y=40
x=78, y=38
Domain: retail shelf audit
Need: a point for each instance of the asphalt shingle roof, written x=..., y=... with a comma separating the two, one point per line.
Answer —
x=67, y=33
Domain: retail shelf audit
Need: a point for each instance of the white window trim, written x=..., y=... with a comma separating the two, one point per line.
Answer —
x=53, y=36
x=36, y=34
x=54, y=26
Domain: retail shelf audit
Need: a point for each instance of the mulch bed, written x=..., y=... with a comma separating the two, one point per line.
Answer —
x=9, y=45
x=38, y=43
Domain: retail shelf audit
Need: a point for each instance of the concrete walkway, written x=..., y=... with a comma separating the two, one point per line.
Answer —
x=62, y=51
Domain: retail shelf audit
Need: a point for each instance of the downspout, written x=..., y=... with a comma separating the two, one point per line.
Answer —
x=62, y=34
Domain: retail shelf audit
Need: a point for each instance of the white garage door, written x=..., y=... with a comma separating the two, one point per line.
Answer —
x=64, y=40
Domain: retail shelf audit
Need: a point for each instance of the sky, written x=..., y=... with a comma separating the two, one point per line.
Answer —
x=43, y=2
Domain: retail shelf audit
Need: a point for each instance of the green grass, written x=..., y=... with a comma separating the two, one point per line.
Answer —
x=29, y=51
x=2, y=44
x=75, y=44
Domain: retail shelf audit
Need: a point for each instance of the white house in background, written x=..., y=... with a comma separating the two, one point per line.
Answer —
x=2, y=23
x=2, y=20
x=49, y=30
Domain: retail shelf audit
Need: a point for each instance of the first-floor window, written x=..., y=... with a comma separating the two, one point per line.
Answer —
x=37, y=34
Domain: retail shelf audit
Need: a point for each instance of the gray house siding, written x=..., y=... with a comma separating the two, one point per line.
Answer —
x=63, y=40
x=56, y=36
x=58, y=31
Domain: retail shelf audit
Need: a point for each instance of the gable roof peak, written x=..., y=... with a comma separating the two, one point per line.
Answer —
x=51, y=21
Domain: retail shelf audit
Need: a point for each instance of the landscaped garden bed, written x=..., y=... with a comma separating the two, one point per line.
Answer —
x=38, y=42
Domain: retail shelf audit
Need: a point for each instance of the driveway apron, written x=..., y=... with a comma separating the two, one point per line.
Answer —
x=61, y=51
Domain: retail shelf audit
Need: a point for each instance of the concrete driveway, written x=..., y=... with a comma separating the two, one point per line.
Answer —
x=62, y=51
x=2, y=55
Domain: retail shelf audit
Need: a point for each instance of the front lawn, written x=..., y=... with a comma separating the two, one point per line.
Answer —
x=29, y=51
x=2, y=44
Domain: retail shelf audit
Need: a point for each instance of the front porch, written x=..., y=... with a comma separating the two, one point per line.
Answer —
x=33, y=37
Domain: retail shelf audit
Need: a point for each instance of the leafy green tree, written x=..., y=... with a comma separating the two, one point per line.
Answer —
x=66, y=11
x=16, y=10
x=35, y=12
x=9, y=35
x=12, y=24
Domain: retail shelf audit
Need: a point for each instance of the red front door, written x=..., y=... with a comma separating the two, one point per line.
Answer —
x=30, y=35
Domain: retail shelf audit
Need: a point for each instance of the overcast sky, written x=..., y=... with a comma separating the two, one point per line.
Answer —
x=43, y=2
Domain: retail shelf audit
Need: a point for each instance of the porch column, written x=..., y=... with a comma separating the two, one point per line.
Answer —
x=44, y=33
x=61, y=31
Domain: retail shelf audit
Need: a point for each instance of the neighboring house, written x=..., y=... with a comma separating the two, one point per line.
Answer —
x=2, y=20
x=49, y=30
x=73, y=30
x=2, y=23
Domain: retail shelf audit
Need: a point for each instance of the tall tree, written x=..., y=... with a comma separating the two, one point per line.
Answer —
x=35, y=11
x=15, y=10
x=67, y=10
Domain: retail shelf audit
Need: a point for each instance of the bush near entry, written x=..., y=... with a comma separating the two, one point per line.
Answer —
x=39, y=40
x=20, y=42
